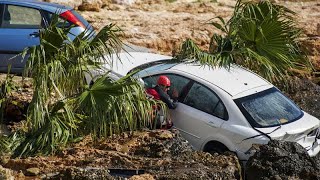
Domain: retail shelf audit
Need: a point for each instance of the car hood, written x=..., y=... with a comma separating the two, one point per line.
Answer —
x=293, y=131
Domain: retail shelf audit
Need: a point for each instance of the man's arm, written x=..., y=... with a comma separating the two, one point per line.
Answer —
x=169, y=102
x=166, y=99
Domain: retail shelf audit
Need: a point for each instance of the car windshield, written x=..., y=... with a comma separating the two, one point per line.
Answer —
x=268, y=108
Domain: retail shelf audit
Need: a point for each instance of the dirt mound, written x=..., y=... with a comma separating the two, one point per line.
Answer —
x=161, y=154
x=282, y=160
x=306, y=94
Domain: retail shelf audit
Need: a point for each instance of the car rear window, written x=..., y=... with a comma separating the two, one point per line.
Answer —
x=268, y=108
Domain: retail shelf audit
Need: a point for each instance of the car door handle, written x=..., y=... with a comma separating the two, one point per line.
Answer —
x=212, y=124
x=34, y=34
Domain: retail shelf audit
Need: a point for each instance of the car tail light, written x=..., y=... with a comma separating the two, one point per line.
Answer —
x=69, y=16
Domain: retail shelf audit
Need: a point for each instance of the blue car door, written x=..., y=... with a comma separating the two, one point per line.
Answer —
x=19, y=29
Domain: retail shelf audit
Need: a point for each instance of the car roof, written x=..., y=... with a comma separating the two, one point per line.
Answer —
x=51, y=7
x=126, y=61
x=233, y=80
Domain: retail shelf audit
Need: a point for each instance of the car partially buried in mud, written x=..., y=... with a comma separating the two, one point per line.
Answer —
x=223, y=109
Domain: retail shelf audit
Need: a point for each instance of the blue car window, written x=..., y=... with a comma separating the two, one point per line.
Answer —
x=19, y=17
x=1, y=14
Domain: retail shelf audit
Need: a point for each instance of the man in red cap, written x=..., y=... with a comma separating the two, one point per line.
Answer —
x=160, y=92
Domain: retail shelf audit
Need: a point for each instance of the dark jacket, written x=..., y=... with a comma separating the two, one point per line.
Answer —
x=165, y=98
x=158, y=93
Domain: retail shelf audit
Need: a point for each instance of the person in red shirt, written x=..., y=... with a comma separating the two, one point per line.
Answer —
x=160, y=92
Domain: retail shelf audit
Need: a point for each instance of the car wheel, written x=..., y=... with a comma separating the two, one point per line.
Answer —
x=215, y=147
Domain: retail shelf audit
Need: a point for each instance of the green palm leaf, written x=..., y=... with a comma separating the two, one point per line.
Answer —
x=114, y=106
x=63, y=106
x=260, y=36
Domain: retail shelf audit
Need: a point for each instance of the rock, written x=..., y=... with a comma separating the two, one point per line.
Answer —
x=20, y=175
x=318, y=29
x=50, y=175
x=6, y=174
x=32, y=172
x=282, y=160
x=165, y=135
x=125, y=2
x=85, y=173
x=142, y=177
x=90, y=5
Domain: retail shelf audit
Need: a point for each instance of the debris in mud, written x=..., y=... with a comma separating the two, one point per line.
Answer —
x=5, y=173
x=162, y=154
x=282, y=160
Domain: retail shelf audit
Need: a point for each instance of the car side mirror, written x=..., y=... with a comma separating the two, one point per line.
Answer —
x=140, y=81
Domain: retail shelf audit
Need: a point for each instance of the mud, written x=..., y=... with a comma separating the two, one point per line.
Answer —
x=161, y=154
x=282, y=160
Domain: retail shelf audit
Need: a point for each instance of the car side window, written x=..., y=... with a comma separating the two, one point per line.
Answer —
x=1, y=14
x=201, y=98
x=150, y=81
x=19, y=17
x=178, y=83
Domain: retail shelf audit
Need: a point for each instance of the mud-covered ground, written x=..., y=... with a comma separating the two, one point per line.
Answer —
x=157, y=154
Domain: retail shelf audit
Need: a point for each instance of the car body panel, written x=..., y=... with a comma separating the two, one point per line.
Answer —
x=10, y=37
x=303, y=125
x=194, y=124
x=297, y=131
x=51, y=7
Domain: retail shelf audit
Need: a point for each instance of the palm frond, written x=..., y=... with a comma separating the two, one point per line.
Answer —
x=114, y=106
x=58, y=67
x=9, y=144
x=190, y=52
x=60, y=123
x=262, y=32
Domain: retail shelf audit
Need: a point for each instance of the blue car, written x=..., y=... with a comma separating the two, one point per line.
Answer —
x=20, y=22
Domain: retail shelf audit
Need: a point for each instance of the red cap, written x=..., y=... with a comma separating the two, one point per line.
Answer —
x=164, y=80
